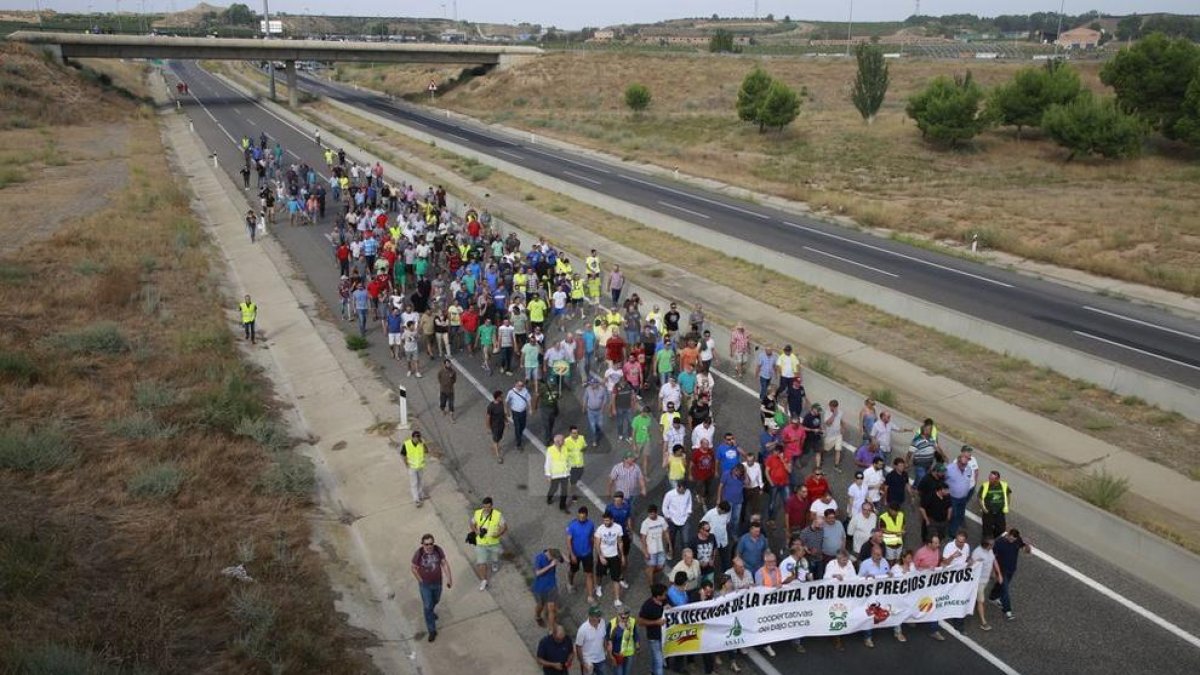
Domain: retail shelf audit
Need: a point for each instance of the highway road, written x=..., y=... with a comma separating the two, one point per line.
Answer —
x=1143, y=337
x=1075, y=612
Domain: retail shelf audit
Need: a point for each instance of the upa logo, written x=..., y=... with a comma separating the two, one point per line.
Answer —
x=683, y=639
x=837, y=616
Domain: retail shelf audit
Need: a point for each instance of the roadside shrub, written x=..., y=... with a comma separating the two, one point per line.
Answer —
x=637, y=97
x=157, y=481
x=233, y=400
x=822, y=364
x=141, y=425
x=289, y=474
x=266, y=432
x=253, y=610
x=356, y=343
x=153, y=395
x=884, y=396
x=947, y=110
x=36, y=450
x=1088, y=126
x=1024, y=101
x=17, y=367
x=100, y=338
x=1102, y=489
x=479, y=172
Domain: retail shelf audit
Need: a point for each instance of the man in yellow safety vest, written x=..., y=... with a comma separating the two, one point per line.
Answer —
x=892, y=523
x=413, y=452
x=558, y=471
x=488, y=525
x=621, y=641
x=575, y=444
x=995, y=498
x=249, y=316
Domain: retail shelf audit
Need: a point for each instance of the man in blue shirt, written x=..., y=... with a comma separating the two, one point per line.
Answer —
x=958, y=479
x=752, y=547
x=580, y=533
x=362, y=302
x=765, y=367
x=545, y=586
x=732, y=490
x=1007, y=548
x=621, y=510
x=729, y=454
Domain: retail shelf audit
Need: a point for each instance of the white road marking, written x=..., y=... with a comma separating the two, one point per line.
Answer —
x=1134, y=349
x=450, y=133
x=852, y=262
x=978, y=649
x=572, y=174
x=215, y=121
x=895, y=253
x=688, y=195
x=510, y=154
x=1130, y=319
x=237, y=112
x=685, y=210
x=589, y=167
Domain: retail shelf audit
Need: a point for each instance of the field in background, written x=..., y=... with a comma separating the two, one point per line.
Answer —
x=139, y=455
x=1130, y=220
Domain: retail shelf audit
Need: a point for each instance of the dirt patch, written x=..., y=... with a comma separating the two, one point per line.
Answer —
x=58, y=174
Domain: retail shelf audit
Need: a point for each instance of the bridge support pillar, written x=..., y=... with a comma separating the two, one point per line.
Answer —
x=293, y=95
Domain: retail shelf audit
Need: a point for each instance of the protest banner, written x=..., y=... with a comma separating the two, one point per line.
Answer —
x=763, y=615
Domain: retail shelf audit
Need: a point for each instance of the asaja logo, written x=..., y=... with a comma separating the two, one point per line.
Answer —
x=736, y=631
x=682, y=639
x=837, y=616
x=924, y=606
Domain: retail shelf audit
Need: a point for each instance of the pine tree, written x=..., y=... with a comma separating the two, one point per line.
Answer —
x=871, y=83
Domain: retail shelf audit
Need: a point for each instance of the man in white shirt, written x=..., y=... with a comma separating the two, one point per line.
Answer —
x=718, y=521
x=703, y=432
x=610, y=556
x=957, y=553
x=882, y=431
x=589, y=642
x=819, y=507
x=795, y=566
x=654, y=542
x=677, y=509
x=670, y=393
x=832, y=426
x=873, y=480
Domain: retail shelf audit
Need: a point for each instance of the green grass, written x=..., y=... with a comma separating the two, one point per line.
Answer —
x=142, y=425
x=479, y=173
x=17, y=367
x=1132, y=400
x=29, y=561
x=12, y=176
x=1097, y=424
x=157, y=481
x=356, y=343
x=256, y=614
x=822, y=364
x=266, y=432
x=100, y=338
x=290, y=474
x=88, y=267
x=151, y=395
x=35, y=450
x=224, y=407
x=885, y=396
x=1101, y=489
x=13, y=273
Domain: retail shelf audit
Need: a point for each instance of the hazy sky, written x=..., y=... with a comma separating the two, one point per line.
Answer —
x=578, y=13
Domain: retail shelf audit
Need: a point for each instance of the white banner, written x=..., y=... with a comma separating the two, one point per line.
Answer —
x=807, y=609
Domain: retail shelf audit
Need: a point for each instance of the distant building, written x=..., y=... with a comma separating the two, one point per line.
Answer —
x=606, y=35
x=1079, y=38
x=453, y=36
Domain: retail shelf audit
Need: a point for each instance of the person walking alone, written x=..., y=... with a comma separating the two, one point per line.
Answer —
x=249, y=312
x=431, y=569
x=516, y=405
x=447, y=377
x=488, y=525
x=413, y=452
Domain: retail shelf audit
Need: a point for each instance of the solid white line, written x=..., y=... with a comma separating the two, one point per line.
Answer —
x=572, y=174
x=1135, y=349
x=978, y=649
x=685, y=210
x=852, y=262
x=216, y=121
x=688, y=195
x=510, y=154
x=450, y=133
x=568, y=160
x=895, y=253
x=1141, y=323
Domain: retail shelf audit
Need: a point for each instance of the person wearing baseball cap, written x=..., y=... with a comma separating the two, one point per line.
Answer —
x=622, y=641
x=589, y=642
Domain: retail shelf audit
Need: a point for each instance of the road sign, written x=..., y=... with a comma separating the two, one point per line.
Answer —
x=276, y=27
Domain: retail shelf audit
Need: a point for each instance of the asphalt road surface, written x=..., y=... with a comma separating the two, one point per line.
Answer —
x=1143, y=337
x=1079, y=615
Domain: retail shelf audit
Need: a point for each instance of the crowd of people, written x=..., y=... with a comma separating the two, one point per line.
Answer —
x=438, y=284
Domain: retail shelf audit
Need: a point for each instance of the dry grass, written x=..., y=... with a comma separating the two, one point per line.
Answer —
x=1130, y=220
x=111, y=546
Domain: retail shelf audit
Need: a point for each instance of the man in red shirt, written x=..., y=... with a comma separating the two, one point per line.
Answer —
x=704, y=468
x=470, y=324
x=792, y=438
x=614, y=349
x=374, y=288
x=817, y=485
x=796, y=511
x=343, y=258
x=779, y=471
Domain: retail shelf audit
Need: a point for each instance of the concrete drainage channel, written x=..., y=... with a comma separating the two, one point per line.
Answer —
x=1128, y=546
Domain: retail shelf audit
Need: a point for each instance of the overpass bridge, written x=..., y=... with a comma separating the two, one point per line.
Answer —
x=64, y=45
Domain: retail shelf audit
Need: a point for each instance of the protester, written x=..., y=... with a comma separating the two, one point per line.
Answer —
x=431, y=570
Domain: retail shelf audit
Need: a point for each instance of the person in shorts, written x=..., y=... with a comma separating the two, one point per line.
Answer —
x=610, y=556
x=581, y=533
x=545, y=586
x=831, y=425
x=654, y=542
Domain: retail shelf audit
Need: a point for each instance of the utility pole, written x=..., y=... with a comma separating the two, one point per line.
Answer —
x=1058, y=33
x=267, y=36
x=850, y=28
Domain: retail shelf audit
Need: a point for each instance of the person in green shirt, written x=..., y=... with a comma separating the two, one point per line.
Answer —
x=530, y=354
x=640, y=437
x=664, y=362
x=487, y=343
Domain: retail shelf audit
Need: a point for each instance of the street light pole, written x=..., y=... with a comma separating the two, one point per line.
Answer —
x=267, y=36
x=1058, y=33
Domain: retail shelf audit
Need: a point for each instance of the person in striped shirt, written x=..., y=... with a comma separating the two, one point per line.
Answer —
x=739, y=349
